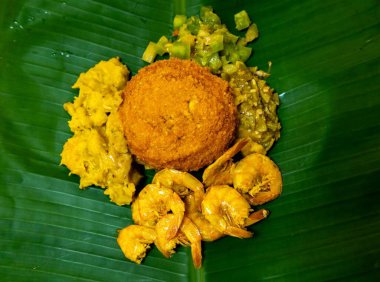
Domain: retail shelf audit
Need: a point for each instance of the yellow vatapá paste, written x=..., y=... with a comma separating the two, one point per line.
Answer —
x=98, y=151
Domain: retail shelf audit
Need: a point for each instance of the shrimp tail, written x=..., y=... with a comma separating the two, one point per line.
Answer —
x=191, y=236
x=196, y=253
x=135, y=240
x=238, y=232
x=256, y=217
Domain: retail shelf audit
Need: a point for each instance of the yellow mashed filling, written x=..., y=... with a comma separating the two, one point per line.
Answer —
x=98, y=151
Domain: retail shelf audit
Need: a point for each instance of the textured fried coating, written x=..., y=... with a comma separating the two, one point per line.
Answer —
x=176, y=114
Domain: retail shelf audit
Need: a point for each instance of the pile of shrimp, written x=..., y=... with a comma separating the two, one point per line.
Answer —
x=176, y=208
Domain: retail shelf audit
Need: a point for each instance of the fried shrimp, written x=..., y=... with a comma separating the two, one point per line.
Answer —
x=255, y=176
x=207, y=230
x=188, y=235
x=177, y=114
x=220, y=172
x=258, y=178
x=135, y=240
x=153, y=203
x=183, y=183
x=165, y=244
x=227, y=210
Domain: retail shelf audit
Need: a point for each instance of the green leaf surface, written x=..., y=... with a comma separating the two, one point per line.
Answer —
x=326, y=68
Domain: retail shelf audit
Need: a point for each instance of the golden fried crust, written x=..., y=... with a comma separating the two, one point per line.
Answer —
x=176, y=114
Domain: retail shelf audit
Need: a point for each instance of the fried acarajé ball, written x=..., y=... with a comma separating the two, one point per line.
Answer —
x=176, y=114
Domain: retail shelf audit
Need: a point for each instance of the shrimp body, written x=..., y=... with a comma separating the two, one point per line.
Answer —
x=207, y=230
x=153, y=203
x=188, y=235
x=164, y=243
x=183, y=183
x=258, y=178
x=227, y=210
x=135, y=240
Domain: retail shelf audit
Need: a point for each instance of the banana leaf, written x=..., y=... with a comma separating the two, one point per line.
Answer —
x=326, y=68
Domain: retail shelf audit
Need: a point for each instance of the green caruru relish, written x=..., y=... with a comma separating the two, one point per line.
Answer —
x=256, y=103
x=208, y=42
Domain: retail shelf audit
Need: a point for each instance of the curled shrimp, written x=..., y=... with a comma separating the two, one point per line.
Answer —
x=227, y=210
x=188, y=235
x=181, y=182
x=220, y=171
x=255, y=176
x=153, y=203
x=207, y=230
x=258, y=178
x=164, y=244
x=135, y=240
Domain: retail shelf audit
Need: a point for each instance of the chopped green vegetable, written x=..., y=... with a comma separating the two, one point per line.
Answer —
x=185, y=36
x=242, y=20
x=206, y=40
x=244, y=52
x=161, y=45
x=229, y=37
x=205, y=10
x=209, y=17
x=179, y=20
x=150, y=53
x=252, y=33
x=229, y=68
x=215, y=41
x=193, y=25
x=180, y=50
x=215, y=63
